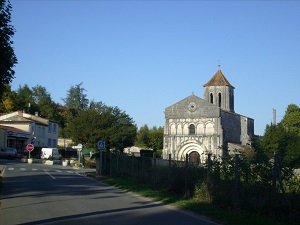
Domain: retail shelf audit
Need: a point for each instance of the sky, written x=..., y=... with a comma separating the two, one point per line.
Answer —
x=143, y=56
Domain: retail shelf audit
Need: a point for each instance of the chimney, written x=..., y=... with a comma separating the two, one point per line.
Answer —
x=20, y=113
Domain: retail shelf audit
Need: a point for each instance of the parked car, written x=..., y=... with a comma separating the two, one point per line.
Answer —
x=6, y=152
x=48, y=153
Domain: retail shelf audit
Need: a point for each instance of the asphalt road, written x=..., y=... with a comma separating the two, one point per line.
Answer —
x=40, y=194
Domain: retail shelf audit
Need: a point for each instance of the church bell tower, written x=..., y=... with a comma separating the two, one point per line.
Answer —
x=220, y=92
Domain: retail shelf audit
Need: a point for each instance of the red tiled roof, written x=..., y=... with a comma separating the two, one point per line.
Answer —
x=218, y=80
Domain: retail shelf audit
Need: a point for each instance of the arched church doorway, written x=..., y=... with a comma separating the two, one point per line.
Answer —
x=194, y=157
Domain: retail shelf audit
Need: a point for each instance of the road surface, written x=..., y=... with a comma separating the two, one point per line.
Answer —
x=41, y=194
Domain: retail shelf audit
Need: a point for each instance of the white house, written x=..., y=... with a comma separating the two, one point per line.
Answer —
x=19, y=129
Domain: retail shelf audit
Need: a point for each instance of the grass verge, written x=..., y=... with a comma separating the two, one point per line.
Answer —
x=217, y=214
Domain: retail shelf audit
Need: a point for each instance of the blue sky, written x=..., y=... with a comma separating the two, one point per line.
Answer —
x=144, y=56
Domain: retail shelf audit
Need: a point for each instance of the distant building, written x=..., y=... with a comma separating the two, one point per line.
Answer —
x=18, y=129
x=195, y=127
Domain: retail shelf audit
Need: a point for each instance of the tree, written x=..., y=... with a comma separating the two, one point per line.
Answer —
x=8, y=100
x=44, y=103
x=150, y=138
x=156, y=136
x=111, y=125
x=86, y=128
x=76, y=101
x=25, y=100
x=8, y=58
x=291, y=119
x=122, y=132
x=286, y=143
x=142, y=137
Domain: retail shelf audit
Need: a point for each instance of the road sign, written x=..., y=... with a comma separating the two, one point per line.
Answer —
x=101, y=145
x=29, y=147
x=78, y=147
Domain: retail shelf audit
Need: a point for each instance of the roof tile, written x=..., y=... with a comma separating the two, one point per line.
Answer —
x=218, y=80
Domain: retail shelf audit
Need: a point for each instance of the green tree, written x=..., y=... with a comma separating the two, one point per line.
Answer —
x=142, y=137
x=111, y=125
x=278, y=139
x=156, y=138
x=291, y=119
x=62, y=116
x=44, y=102
x=76, y=101
x=8, y=58
x=86, y=128
x=25, y=100
x=150, y=138
x=122, y=132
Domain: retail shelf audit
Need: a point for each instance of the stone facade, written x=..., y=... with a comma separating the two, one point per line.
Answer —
x=195, y=127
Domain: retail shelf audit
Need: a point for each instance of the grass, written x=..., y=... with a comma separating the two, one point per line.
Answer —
x=220, y=215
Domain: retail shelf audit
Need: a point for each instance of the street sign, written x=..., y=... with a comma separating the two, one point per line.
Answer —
x=78, y=147
x=29, y=147
x=101, y=145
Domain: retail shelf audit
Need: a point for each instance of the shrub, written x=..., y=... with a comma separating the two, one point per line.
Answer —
x=90, y=163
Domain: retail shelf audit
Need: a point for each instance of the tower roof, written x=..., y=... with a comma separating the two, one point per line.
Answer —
x=218, y=80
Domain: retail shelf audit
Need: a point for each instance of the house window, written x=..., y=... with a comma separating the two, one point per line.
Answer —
x=220, y=99
x=50, y=127
x=211, y=98
x=192, y=129
x=54, y=128
x=54, y=143
x=49, y=142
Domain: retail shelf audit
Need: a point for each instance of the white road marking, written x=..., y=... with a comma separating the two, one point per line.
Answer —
x=46, y=171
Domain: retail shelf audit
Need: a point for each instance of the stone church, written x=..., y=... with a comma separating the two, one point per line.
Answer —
x=196, y=126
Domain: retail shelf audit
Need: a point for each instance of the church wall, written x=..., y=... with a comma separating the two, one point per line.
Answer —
x=231, y=124
x=247, y=127
x=208, y=137
x=237, y=128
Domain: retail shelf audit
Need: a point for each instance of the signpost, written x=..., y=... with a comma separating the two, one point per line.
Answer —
x=29, y=148
x=79, y=149
x=101, y=145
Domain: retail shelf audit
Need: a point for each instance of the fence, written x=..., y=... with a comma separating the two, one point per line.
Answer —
x=233, y=182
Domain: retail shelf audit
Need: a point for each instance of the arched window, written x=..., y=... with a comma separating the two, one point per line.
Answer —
x=211, y=97
x=192, y=129
x=220, y=99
